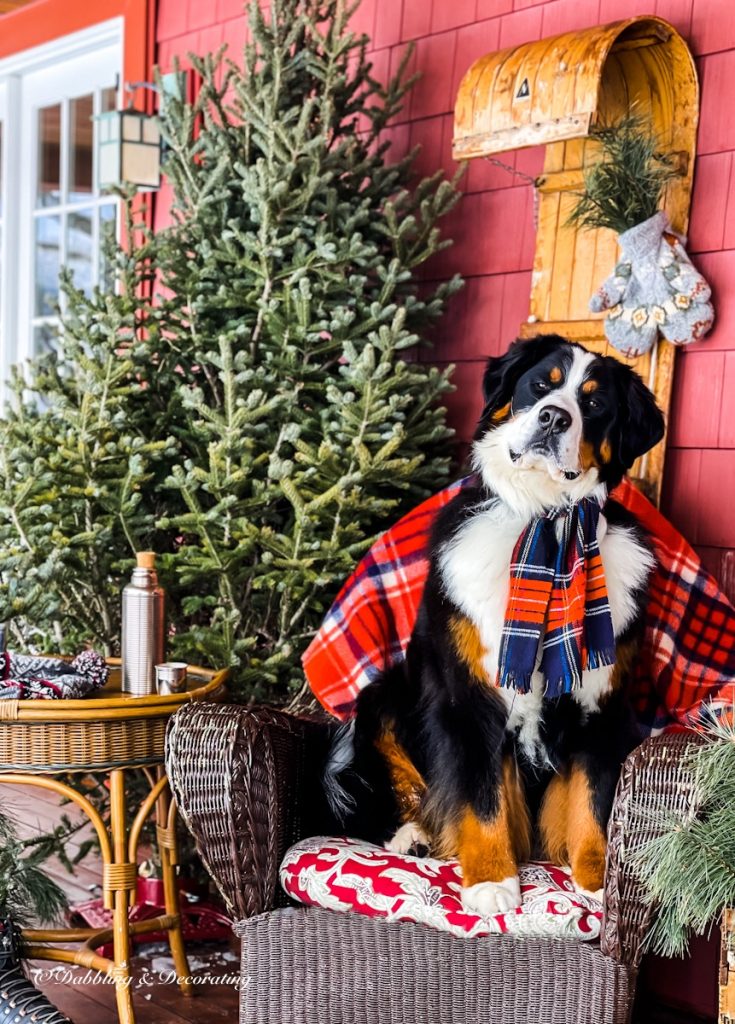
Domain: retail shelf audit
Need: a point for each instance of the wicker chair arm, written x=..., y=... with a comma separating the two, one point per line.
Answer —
x=654, y=782
x=247, y=787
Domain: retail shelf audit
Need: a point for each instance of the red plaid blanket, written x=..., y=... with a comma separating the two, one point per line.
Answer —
x=688, y=660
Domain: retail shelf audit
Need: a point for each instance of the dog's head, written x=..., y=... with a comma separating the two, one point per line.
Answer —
x=560, y=422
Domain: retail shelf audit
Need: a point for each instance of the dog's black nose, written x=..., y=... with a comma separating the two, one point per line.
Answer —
x=554, y=420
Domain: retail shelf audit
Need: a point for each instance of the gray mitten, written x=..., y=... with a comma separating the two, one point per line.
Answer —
x=630, y=294
x=689, y=312
x=654, y=288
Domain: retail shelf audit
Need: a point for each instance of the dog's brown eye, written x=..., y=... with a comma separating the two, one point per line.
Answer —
x=591, y=403
x=541, y=385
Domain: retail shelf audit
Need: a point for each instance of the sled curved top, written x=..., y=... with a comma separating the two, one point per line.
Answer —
x=552, y=92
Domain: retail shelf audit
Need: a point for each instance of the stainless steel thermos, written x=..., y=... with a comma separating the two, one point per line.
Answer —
x=143, y=627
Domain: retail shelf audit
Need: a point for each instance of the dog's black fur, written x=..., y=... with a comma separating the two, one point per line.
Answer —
x=453, y=730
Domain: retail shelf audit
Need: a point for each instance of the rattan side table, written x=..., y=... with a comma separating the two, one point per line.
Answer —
x=113, y=733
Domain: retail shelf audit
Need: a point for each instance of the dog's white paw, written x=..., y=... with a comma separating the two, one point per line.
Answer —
x=408, y=837
x=490, y=898
x=592, y=894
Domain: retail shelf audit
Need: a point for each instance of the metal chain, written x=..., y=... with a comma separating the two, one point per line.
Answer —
x=526, y=177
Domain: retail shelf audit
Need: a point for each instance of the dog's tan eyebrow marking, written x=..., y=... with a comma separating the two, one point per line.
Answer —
x=555, y=375
x=502, y=412
x=589, y=386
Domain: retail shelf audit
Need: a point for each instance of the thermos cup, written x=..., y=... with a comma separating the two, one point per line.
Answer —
x=143, y=627
x=171, y=677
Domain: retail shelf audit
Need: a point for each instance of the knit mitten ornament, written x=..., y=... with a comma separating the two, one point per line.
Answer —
x=654, y=288
x=29, y=676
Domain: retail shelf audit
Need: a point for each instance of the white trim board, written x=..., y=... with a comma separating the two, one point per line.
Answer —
x=43, y=75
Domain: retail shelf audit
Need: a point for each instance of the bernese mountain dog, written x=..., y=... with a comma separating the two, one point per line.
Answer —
x=440, y=755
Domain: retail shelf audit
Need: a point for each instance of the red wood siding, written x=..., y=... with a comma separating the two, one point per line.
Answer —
x=493, y=226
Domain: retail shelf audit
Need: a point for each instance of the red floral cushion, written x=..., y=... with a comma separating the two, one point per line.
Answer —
x=345, y=874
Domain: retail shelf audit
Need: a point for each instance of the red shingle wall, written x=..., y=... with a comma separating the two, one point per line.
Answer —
x=493, y=225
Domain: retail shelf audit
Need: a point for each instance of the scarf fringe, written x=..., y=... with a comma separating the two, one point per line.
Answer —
x=601, y=659
x=518, y=681
x=521, y=681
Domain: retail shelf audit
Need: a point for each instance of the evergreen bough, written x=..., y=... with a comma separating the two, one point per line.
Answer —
x=27, y=894
x=688, y=870
x=624, y=187
x=248, y=400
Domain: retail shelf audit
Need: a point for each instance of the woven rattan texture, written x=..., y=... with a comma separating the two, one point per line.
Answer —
x=81, y=746
x=247, y=784
x=309, y=966
x=653, y=783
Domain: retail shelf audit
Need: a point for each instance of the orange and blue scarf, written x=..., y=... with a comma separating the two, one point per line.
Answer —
x=558, y=597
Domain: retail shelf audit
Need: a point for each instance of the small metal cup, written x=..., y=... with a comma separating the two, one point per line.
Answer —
x=171, y=676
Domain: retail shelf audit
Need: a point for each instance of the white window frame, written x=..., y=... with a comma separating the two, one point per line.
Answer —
x=9, y=217
x=61, y=69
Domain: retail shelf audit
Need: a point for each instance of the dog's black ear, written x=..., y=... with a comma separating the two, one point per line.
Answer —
x=641, y=422
x=502, y=373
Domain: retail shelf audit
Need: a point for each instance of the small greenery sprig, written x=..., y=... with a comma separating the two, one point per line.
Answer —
x=624, y=187
x=688, y=870
x=27, y=894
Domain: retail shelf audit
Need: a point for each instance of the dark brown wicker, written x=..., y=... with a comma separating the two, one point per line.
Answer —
x=247, y=784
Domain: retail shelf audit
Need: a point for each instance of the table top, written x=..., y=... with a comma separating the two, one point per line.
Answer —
x=110, y=703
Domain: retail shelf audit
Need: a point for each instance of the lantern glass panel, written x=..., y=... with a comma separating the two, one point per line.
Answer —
x=131, y=127
x=108, y=151
x=141, y=163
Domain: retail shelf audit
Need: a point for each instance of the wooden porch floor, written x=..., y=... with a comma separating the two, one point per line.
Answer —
x=82, y=995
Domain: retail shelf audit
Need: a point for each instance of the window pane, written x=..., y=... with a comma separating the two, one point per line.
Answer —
x=44, y=339
x=48, y=231
x=80, y=148
x=108, y=231
x=79, y=249
x=49, y=147
x=108, y=99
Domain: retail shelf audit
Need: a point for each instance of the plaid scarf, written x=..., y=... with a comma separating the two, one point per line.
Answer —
x=558, y=592
x=685, y=669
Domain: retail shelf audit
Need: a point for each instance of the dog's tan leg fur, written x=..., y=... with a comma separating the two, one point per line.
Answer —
x=489, y=851
x=554, y=819
x=408, y=784
x=570, y=831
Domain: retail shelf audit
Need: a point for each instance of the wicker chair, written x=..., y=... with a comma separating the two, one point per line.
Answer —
x=247, y=784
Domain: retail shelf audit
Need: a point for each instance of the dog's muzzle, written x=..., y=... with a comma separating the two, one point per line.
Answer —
x=552, y=423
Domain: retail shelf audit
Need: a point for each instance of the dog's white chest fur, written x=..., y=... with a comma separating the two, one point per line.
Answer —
x=475, y=569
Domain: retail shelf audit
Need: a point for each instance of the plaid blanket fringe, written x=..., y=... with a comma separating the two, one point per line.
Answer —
x=686, y=668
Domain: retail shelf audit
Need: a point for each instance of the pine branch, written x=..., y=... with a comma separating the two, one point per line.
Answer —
x=688, y=868
x=625, y=186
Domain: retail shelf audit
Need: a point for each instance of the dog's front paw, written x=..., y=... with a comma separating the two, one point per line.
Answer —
x=591, y=894
x=408, y=839
x=490, y=898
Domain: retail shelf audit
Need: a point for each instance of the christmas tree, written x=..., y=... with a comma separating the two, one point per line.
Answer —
x=247, y=400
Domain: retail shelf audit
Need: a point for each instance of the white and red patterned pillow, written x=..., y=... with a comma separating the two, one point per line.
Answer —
x=346, y=874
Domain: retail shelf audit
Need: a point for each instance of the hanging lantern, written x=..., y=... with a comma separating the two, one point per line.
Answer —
x=128, y=149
